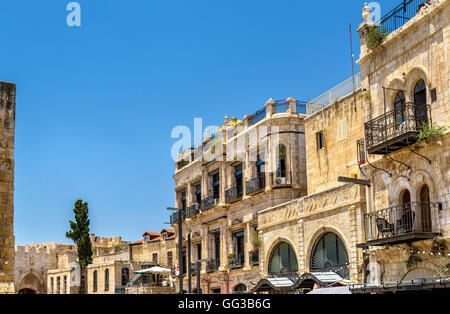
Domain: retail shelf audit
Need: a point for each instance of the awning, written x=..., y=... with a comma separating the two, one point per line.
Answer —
x=323, y=279
x=280, y=284
x=408, y=286
x=334, y=290
x=153, y=270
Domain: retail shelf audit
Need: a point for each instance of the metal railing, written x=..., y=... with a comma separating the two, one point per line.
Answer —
x=233, y=194
x=212, y=266
x=258, y=116
x=343, y=89
x=281, y=178
x=254, y=257
x=396, y=122
x=193, y=210
x=208, y=203
x=236, y=261
x=255, y=185
x=400, y=15
x=402, y=219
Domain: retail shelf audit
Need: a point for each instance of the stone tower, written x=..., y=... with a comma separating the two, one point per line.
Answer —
x=7, y=127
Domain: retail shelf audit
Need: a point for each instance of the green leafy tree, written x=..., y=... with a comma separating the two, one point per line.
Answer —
x=79, y=233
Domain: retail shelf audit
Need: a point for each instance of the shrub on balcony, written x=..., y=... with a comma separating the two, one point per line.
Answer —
x=374, y=36
x=431, y=133
x=256, y=241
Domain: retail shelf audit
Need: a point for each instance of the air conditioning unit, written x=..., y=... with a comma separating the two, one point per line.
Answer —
x=281, y=180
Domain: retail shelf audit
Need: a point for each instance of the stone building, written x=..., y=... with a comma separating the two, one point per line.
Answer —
x=65, y=276
x=7, y=127
x=157, y=248
x=32, y=262
x=244, y=167
x=407, y=79
x=313, y=239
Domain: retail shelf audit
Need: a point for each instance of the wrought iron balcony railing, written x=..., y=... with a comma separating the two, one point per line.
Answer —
x=233, y=194
x=396, y=129
x=254, y=257
x=237, y=261
x=281, y=178
x=256, y=185
x=212, y=266
x=193, y=210
x=402, y=223
x=401, y=14
x=208, y=203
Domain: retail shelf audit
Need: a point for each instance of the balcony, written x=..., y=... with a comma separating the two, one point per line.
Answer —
x=396, y=129
x=193, y=210
x=281, y=179
x=174, y=218
x=400, y=15
x=236, y=261
x=208, y=203
x=254, y=257
x=256, y=185
x=233, y=195
x=212, y=266
x=404, y=223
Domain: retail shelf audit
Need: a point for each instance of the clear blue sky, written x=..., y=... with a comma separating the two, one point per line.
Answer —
x=96, y=104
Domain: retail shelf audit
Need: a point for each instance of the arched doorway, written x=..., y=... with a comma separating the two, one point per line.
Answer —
x=330, y=254
x=283, y=260
x=30, y=284
x=406, y=222
x=420, y=93
x=425, y=209
x=27, y=291
x=240, y=288
x=399, y=107
x=420, y=100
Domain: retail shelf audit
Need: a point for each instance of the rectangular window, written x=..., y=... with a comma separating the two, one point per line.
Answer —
x=65, y=285
x=238, y=176
x=58, y=285
x=52, y=285
x=342, y=129
x=183, y=203
x=155, y=258
x=199, y=252
x=169, y=259
x=216, y=186
x=198, y=194
x=320, y=140
x=238, y=248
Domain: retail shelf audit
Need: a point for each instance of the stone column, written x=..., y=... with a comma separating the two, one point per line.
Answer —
x=291, y=105
x=269, y=107
x=7, y=126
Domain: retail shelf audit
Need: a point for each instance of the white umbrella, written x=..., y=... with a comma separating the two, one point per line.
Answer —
x=153, y=270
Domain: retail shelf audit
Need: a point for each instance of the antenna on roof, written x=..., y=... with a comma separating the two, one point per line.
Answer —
x=353, y=66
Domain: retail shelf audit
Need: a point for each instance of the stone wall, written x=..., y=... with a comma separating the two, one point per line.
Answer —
x=7, y=131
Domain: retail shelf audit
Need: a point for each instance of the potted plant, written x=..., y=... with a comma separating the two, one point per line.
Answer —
x=253, y=251
x=232, y=255
x=362, y=161
x=256, y=241
x=374, y=36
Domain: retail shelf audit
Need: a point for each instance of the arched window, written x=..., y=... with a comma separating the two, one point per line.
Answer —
x=399, y=107
x=240, y=288
x=125, y=276
x=329, y=254
x=281, y=168
x=283, y=260
x=107, y=279
x=95, y=281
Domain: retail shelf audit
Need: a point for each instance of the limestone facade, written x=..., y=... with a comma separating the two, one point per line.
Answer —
x=32, y=263
x=410, y=68
x=252, y=165
x=156, y=248
x=7, y=127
